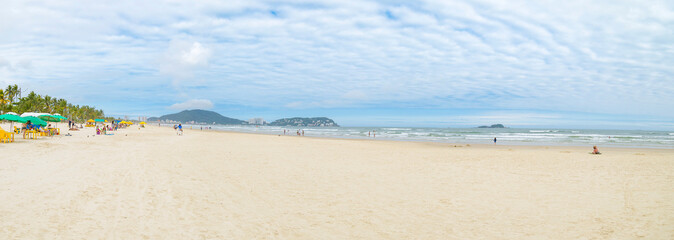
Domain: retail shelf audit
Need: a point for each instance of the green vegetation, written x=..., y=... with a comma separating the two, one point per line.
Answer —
x=198, y=116
x=11, y=100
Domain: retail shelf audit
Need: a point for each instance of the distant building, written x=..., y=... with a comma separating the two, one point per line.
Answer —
x=257, y=121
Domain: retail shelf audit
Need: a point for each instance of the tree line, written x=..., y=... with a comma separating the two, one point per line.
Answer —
x=11, y=100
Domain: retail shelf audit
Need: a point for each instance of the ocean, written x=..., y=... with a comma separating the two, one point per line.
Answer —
x=507, y=136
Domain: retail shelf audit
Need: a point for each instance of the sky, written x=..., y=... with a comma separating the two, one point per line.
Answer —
x=435, y=63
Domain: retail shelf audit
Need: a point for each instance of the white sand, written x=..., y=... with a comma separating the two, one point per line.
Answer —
x=150, y=183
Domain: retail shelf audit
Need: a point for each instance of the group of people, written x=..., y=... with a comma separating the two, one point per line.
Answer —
x=178, y=128
x=74, y=127
x=29, y=126
x=299, y=132
x=105, y=128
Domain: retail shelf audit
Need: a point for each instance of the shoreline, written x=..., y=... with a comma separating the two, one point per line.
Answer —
x=513, y=144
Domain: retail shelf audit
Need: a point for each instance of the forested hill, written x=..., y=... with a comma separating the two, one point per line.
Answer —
x=198, y=116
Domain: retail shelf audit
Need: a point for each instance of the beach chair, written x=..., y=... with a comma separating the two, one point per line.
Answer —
x=6, y=137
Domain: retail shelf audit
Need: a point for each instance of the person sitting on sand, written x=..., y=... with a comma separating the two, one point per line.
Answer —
x=595, y=151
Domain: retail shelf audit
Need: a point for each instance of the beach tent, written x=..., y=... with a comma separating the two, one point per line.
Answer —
x=90, y=123
x=100, y=120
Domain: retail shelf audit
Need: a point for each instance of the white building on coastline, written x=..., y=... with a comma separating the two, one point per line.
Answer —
x=257, y=121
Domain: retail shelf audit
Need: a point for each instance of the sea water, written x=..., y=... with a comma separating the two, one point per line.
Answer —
x=509, y=136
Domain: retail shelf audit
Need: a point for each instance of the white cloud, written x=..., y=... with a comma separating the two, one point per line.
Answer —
x=575, y=56
x=183, y=58
x=193, y=104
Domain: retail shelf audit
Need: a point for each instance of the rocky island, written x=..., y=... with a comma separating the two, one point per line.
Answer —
x=305, y=122
x=493, y=126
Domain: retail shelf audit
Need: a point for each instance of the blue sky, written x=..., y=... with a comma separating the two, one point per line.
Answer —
x=567, y=64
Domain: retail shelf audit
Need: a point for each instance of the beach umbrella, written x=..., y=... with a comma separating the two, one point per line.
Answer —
x=49, y=118
x=91, y=120
x=100, y=120
x=56, y=115
x=31, y=114
x=12, y=113
x=35, y=120
x=142, y=123
x=12, y=118
x=43, y=116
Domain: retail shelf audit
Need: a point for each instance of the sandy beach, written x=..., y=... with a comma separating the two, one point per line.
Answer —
x=152, y=184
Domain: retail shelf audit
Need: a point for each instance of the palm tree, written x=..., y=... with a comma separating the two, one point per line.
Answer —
x=3, y=101
x=33, y=102
x=10, y=97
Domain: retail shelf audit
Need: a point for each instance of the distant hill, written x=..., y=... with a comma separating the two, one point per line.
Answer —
x=305, y=122
x=199, y=116
x=493, y=126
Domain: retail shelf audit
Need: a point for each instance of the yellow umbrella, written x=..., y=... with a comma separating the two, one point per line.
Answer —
x=91, y=120
x=142, y=123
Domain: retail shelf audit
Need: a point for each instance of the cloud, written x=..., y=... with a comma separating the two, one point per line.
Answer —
x=22, y=64
x=577, y=56
x=182, y=58
x=193, y=104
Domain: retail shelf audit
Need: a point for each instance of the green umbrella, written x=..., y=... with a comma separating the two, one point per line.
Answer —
x=49, y=118
x=12, y=118
x=36, y=121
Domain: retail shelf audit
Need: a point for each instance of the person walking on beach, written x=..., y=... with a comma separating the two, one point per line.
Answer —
x=302, y=133
x=494, y=140
x=180, y=129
